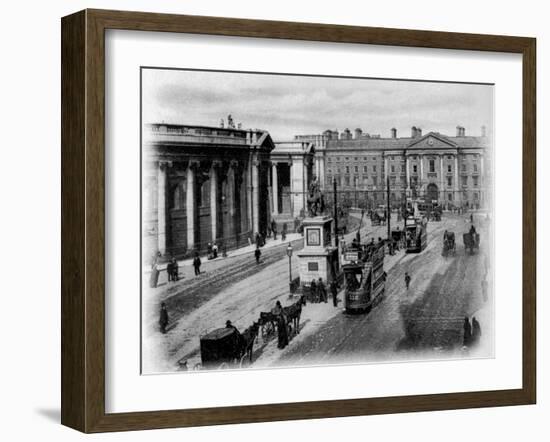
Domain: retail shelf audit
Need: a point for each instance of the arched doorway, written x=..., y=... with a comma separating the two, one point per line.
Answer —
x=432, y=192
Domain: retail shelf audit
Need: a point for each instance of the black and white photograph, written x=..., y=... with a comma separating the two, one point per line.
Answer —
x=304, y=220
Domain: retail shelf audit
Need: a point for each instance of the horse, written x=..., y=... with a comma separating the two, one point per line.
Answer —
x=293, y=313
x=315, y=203
x=246, y=341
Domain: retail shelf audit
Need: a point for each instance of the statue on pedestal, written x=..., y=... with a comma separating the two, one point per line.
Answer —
x=315, y=199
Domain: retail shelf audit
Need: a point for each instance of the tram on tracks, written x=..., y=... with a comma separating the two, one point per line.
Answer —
x=416, y=234
x=364, y=278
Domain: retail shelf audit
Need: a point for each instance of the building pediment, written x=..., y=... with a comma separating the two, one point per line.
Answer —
x=432, y=140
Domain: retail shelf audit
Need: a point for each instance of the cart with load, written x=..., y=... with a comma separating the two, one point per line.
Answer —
x=471, y=241
x=449, y=244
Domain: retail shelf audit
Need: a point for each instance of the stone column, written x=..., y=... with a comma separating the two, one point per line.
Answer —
x=456, y=188
x=255, y=196
x=275, y=187
x=214, y=198
x=441, y=180
x=161, y=206
x=407, y=171
x=421, y=180
x=297, y=185
x=248, y=177
x=305, y=186
x=231, y=195
x=190, y=205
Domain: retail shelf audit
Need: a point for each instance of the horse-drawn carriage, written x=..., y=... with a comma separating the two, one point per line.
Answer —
x=471, y=241
x=287, y=317
x=227, y=348
x=449, y=244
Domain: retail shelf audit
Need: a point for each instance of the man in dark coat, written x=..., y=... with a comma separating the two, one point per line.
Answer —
x=274, y=228
x=476, y=331
x=163, y=319
x=257, y=254
x=467, y=340
x=323, y=297
x=174, y=270
x=334, y=292
x=283, y=234
x=169, y=270
x=197, y=264
x=407, y=280
x=313, y=291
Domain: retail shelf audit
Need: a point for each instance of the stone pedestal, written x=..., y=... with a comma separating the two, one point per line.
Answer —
x=318, y=259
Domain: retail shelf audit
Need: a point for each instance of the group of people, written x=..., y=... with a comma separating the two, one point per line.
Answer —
x=212, y=251
x=472, y=332
x=318, y=291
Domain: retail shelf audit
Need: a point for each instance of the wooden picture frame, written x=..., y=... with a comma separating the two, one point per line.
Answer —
x=83, y=220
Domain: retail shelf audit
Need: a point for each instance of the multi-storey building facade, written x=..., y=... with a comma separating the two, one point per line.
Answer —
x=455, y=171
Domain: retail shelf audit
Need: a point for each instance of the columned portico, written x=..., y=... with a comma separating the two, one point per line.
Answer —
x=204, y=185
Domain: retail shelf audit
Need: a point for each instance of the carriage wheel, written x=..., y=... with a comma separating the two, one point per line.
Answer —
x=223, y=366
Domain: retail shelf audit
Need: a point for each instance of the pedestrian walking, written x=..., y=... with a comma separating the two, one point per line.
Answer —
x=471, y=218
x=274, y=229
x=313, y=291
x=197, y=264
x=257, y=254
x=467, y=337
x=215, y=250
x=476, y=331
x=163, y=319
x=407, y=280
x=169, y=270
x=334, y=292
x=173, y=270
x=283, y=233
x=154, y=278
x=323, y=297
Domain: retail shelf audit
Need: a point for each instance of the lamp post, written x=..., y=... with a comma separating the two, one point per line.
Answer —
x=289, y=254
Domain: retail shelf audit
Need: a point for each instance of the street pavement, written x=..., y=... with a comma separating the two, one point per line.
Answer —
x=422, y=322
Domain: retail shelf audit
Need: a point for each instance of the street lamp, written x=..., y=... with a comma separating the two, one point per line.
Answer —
x=289, y=254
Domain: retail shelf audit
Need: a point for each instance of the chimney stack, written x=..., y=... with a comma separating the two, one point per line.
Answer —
x=358, y=133
x=483, y=131
x=413, y=132
x=459, y=131
x=418, y=132
x=393, y=132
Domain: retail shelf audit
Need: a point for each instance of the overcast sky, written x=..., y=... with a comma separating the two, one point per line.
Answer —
x=287, y=105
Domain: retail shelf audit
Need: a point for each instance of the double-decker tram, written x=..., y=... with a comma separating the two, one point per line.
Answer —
x=364, y=277
x=416, y=234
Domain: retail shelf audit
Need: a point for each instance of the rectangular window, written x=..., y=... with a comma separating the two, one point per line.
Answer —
x=475, y=180
x=450, y=196
x=374, y=181
x=356, y=169
x=449, y=181
x=365, y=169
x=374, y=168
x=432, y=166
x=415, y=168
x=464, y=181
x=463, y=167
x=347, y=181
x=449, y=168
x=475, y=168
x=347, y=169
x=403, y=169
x=392, y=168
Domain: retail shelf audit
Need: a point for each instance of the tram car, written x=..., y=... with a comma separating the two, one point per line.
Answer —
x=416, y=234
x=364, y=279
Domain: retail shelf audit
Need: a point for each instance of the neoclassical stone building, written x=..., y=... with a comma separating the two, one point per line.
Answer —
x=203, y=184
x=454, y=170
